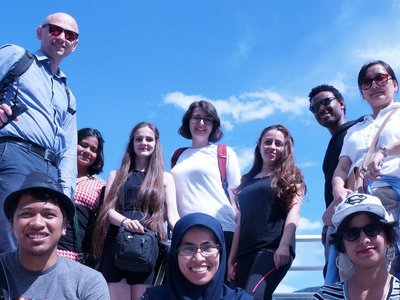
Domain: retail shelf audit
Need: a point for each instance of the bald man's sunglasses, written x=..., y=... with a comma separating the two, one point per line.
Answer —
x=55, y=30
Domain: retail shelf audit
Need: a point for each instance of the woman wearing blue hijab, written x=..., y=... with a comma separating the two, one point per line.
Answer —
x=197, y=262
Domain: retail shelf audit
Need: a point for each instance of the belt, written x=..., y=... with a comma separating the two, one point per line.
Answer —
x=46, y=154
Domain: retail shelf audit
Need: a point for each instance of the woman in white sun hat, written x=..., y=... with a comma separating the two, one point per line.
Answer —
x=365, y=233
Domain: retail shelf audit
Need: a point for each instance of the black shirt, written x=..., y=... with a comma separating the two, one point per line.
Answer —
x=262, y=218
x=331, y=158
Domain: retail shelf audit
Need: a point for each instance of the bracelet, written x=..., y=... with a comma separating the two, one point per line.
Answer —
x=384, y=151
x=122, y=223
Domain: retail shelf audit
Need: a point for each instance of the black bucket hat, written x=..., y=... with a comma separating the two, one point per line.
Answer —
x=39, y=181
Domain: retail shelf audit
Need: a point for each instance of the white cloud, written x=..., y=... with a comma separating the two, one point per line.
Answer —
x=246, y=107
x=383, y=51
x=305, y=224
x=307, y=164
x=245, y=156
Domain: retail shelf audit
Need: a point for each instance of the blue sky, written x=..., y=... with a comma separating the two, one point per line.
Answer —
x=256, y=60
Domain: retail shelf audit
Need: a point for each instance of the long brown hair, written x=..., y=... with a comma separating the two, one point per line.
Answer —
x=151, y=191
x=287, y=180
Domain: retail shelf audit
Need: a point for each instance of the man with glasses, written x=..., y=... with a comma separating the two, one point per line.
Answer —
x=328, y=106
x=43, y=138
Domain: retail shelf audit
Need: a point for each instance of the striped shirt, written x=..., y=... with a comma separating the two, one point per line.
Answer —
x=339, y=290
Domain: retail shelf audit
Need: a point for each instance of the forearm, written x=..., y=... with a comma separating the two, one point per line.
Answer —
x=235, y=243
x=170, y=200
x=339, y=178
x=67, y=165
x=115, y=217
x=291, y=222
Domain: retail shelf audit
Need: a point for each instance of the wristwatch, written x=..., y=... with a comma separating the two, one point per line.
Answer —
x=384, y=151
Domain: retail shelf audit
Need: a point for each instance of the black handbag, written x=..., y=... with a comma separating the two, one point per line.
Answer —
x=136, y=252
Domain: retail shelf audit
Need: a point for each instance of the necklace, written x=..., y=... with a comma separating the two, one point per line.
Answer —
x=263, y=174
x=82, y=178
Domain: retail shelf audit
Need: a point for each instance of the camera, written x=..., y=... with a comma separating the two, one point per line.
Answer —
x=17, y=109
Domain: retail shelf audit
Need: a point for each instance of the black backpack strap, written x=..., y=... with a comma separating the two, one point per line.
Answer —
x=20, y=67
x=176, y=155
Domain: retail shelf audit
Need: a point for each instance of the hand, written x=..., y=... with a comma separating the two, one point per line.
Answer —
x=133, y=226
x=281, y=256
x=231, y=272
x=340, y=194
x=5, y=111
x=375, y=166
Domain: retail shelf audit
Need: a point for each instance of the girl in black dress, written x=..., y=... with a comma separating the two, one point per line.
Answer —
x=269, y=197
x=137, y=195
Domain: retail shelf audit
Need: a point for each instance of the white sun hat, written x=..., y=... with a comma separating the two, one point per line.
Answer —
x=357, y=202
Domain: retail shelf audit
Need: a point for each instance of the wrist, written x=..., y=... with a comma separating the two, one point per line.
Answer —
x=384, y=151
x=122, y=222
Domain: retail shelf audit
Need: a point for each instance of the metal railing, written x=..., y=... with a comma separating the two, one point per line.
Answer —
x=301, y=295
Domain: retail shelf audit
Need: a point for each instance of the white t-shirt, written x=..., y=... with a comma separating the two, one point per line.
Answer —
x=199, y=187
x=359, y=138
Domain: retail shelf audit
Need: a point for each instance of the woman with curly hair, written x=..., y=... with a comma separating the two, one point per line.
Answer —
x=269, y=197
x=137, y=196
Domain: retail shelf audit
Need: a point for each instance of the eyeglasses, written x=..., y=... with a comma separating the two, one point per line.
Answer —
x=55, y=30
x=324, y=102
x=353, y=233
x=206, y=249
x=380, y=80
x=207, y=120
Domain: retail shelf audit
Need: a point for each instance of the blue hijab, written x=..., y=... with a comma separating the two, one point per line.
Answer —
x=178, y=286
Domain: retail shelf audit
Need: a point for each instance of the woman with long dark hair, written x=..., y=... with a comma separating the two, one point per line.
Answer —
x=138, y=195
x=269, y=197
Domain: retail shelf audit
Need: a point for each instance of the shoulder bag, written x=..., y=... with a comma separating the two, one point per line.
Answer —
x=136, y=252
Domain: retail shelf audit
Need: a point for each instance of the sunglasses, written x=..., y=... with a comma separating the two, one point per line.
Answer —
x=55, y=30
x=353, y=233
x=206, y=249
x=324, y=102
x=380, y=80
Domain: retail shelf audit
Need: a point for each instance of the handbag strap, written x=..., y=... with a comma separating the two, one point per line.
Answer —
x=372, y=147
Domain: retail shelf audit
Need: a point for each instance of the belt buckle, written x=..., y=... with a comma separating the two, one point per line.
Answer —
x=49, y=156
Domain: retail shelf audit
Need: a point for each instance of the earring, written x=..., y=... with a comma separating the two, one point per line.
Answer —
x=344, y=263
x=390, y=256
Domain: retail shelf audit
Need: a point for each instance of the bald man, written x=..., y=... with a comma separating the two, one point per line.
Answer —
x=43, y=138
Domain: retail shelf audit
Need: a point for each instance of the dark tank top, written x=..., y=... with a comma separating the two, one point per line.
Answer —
x=262, y=218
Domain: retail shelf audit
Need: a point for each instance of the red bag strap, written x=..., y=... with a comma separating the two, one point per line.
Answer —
x=221, y=152
x=176, y=155
x=221, y=155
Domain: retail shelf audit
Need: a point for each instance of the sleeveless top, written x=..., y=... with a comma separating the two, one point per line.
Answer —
x=87, y=201
x=262, y=218
x=128, y=202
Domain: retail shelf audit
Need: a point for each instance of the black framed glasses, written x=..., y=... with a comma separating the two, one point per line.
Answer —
x=206, y=249
x=207, y=120
x=55, y=30
x=324, y=102
x=353, y=233
x=380, y=80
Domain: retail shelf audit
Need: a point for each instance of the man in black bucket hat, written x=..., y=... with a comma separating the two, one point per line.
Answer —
x=40, y=184
x=38, y=213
